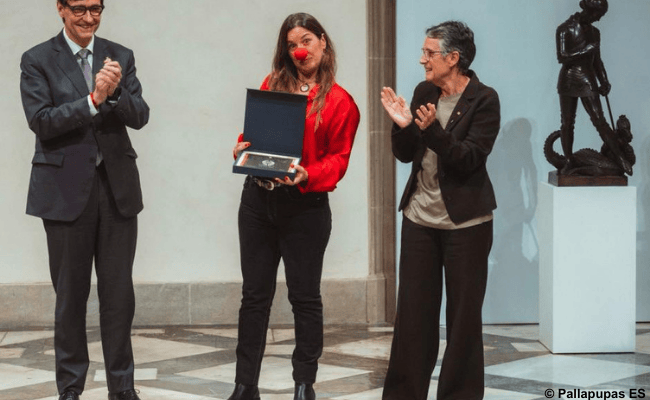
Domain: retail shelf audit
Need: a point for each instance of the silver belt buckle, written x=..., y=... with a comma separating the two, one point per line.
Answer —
x=268, y=185
x=265, y=183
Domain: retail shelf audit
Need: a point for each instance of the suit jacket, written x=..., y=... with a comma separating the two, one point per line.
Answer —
x=54, y=96
x=462, y=149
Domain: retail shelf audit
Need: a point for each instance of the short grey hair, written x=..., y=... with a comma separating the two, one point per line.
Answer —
x=455, y=36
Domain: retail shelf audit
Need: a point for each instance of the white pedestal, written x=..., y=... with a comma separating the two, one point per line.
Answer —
x=587, y=268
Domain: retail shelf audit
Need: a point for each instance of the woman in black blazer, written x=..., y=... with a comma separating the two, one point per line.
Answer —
x=447, y=224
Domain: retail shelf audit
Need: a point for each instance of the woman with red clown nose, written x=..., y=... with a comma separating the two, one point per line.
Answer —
x=291, y=219
x=300, y=54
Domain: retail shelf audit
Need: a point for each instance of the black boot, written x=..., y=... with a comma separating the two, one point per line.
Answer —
x=245, y=392
x=304, y=391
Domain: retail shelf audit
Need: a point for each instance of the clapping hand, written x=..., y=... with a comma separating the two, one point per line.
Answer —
x=400, y=113
x=396, y=107
x=107, y=80
x=426, y=116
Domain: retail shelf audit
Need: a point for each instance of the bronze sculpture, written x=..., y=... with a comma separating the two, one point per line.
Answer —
x=583, y=77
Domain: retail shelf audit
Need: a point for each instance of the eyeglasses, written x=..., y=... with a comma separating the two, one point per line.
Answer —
x=80, y=11
x=428, y=54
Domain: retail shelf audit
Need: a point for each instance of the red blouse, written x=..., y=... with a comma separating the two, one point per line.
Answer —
x=326, y=151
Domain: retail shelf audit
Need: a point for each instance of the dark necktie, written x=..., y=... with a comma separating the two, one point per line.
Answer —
x=86, y=68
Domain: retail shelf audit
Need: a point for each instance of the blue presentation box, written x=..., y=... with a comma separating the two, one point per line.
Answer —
x=274, y=124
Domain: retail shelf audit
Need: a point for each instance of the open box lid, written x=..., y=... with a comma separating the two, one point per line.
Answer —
x=275, y=122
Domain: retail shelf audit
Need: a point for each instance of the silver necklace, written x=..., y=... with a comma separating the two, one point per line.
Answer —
x=306, y=86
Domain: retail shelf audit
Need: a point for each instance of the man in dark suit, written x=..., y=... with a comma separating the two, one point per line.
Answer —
x=79, y=93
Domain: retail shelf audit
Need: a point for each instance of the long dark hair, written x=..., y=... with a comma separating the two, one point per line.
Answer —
x=284, y=75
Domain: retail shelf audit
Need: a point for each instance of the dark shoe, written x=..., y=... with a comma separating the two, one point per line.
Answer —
x=69, y=395
x=304, y=391
x=130, y=394
x=245, y=392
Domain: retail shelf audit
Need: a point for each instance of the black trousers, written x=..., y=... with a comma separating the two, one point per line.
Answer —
x=102, y=234
x=426, y=254
x=281, y=223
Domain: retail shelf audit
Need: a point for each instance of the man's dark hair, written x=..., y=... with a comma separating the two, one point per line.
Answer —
x=64, y=2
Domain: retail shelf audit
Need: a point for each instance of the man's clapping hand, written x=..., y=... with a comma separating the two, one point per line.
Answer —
x=107, y=80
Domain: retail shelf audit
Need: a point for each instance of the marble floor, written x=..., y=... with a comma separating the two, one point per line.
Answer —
x=196, y=363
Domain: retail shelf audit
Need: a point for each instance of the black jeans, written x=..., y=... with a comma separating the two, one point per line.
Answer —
x=102, y=234
x=274, y=224
x=426, y=253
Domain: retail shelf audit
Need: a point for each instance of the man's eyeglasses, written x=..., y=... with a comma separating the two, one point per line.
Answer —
x=80, y=11
x=428, y=54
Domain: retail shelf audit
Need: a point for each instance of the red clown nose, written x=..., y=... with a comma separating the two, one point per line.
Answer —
x=300, y=54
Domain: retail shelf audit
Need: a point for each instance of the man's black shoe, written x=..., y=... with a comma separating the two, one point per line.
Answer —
x=130, y=394
x=245, y=392
x=304, y=391
x=69, y=395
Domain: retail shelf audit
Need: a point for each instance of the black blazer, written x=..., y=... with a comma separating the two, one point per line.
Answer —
x=54, y=96
x=462, y=149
